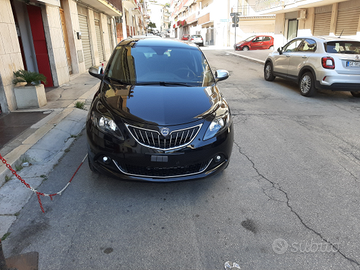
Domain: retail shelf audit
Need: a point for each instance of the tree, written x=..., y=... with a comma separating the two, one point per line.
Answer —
x=151, y=25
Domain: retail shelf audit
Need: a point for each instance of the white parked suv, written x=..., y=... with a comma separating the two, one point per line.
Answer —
x=317, y=63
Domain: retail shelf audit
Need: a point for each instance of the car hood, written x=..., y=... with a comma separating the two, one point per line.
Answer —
x=241, y=42
x=162, y=105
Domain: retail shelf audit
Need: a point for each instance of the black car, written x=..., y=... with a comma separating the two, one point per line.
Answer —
x=158, y=114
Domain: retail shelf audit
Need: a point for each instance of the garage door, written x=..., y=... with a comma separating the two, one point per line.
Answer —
x=322, y=21
x=348, y=18
x=85, y=40
x=98, y=40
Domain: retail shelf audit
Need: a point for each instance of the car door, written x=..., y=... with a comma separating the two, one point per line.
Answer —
x=266, y=43
x=299, y=58
x=257, y=43
x=281, y=61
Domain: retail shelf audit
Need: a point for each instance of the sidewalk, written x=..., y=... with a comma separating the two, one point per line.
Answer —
x=258, y=56
x=41, y=144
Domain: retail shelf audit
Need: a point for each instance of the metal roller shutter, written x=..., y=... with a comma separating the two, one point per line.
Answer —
x=110, y=34
x=85, y=40
x=322, y=24
x=347, y=21
x=98, y=40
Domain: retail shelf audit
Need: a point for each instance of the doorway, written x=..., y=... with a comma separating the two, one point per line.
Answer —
x=292, y=29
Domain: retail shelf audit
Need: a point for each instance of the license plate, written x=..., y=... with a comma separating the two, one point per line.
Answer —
x=352, y=64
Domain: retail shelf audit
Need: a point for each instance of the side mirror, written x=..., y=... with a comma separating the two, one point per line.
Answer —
x=93, y=71
x=279, y=50
x=221, y=75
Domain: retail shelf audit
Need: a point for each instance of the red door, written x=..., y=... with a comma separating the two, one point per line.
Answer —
x=38, y=35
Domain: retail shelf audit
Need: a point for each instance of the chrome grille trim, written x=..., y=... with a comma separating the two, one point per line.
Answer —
x=122, y=170
x=153, y=139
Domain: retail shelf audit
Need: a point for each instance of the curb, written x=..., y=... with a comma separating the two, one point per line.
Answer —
x=43, y=127
x=248, y=58
x=53, y=135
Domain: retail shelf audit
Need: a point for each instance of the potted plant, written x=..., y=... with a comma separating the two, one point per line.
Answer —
x=28, y=89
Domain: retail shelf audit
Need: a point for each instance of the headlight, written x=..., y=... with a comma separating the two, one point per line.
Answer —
x=107, y=125
x=218, y=124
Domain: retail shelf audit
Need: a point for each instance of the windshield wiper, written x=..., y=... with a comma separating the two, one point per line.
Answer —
x=164, y=83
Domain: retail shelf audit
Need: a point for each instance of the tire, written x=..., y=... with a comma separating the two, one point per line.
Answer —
x=245, y=49
x=307, y=85
x=271, y=48
x=355, y=94
x=268, y=72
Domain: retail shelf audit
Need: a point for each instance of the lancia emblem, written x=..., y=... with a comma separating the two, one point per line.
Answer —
x=165, y=131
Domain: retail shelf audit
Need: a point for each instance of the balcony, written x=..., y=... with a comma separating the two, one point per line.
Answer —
x=267, y=6
x=110, y=7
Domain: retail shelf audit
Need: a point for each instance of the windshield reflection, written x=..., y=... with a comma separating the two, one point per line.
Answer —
x=161, y=65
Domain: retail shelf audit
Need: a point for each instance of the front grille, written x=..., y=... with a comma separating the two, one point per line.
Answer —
x=153, y=138
x=162, y=172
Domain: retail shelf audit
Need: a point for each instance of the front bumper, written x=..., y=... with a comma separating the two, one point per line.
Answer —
x=130, y=160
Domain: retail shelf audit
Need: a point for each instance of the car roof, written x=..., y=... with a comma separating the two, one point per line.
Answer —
x=328, y=38
x=141, y=41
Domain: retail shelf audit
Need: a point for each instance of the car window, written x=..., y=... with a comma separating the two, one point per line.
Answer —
x=266, y=38
x=346, y=47
x=292, y=45
x=140, y=65
x=308, y=45
x=258, y=39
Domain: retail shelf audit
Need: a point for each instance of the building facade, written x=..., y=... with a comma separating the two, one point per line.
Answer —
x=212, y=19
x=60, y=38
x=315, y=18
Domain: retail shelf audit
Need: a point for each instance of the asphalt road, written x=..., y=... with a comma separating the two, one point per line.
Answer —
x=288, y=200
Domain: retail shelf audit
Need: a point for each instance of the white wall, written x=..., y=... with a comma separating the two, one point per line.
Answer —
x=10, y=57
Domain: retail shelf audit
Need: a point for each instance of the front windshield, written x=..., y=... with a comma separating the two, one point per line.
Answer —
x=146, y=65
x=249, y=38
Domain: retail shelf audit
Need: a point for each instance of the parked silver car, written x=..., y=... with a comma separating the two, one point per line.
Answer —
x=317, y=63
x=197, y=39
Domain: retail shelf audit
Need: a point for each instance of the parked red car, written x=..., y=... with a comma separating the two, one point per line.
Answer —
x=185, y=37
x=261, y=42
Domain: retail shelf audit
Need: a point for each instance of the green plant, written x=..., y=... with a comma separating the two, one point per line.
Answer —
x=18, y=168
x=80, y=105
x=5, y=236
x=31, y=78
x=7, y=178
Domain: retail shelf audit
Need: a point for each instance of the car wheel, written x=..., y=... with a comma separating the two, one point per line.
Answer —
x=271, y=48
x=245, y=49
x=91, y=166
x=268, y=72
x=307, y=85
x=355, y=94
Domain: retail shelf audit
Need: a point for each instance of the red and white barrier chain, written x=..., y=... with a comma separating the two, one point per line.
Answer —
x=39, y=194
